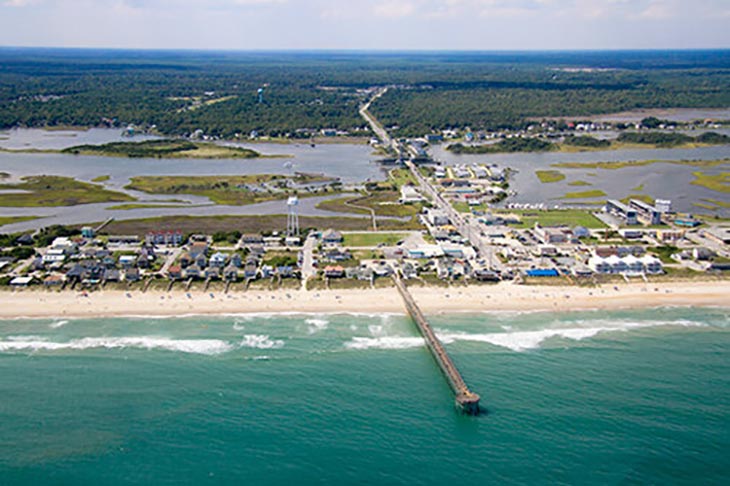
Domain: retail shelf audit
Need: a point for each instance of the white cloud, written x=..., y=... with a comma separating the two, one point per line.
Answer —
x=17, y=3
x=394, y=9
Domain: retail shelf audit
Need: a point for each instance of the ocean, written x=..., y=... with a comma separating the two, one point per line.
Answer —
x=626, y=397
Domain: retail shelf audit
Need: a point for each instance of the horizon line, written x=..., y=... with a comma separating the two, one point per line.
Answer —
x=365, y=50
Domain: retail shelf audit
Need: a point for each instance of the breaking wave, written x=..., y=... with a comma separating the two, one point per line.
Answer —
x=192, y=346
x=524, y=340
x=514, y=340
x=261, y=341
x=316, y=325
x=386, y=342
x=57, y=324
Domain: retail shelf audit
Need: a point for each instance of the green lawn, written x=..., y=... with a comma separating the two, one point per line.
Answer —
x=372, y=238
x=569, y=217
x=548, y=176
x=58, y=191
x=401, y=177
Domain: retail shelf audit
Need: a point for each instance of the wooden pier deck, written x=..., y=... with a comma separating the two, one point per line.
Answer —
x=466, y=400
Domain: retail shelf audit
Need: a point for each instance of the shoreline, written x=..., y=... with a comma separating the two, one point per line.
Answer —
x=433, y=300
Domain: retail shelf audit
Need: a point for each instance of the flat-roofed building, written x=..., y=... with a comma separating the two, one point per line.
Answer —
x=646, y=212
x=621, y=210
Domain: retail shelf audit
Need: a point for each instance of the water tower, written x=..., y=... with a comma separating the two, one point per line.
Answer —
x=261, y=95
x=292, y=222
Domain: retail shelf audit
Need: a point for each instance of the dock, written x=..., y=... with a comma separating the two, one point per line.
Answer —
x=466, y=400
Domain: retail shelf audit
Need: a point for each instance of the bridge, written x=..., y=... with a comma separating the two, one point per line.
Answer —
x=466, y=400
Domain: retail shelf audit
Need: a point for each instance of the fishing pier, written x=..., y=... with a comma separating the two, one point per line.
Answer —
x=466, y=400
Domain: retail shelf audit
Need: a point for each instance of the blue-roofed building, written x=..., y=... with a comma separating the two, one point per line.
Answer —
x=543, y=272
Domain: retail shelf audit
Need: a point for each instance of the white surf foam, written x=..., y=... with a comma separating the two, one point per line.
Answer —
x=524, y=340
x=57, y=324
x=385, y=342
x=193, y=346
x=316, y=325
x=261, y=341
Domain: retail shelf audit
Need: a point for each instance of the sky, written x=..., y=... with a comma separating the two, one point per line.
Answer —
x=367, y=24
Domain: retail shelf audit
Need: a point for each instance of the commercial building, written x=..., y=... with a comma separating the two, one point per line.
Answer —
x=622, y=211
x=646, y=212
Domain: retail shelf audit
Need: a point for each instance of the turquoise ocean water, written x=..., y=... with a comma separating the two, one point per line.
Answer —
x=631, y=397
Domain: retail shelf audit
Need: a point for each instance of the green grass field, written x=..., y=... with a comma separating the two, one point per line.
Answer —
x=569, y=217
x=372, y=239
x=58, y=191
x=246, y=224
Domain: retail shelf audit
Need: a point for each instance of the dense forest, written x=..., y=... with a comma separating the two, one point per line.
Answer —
x=180, y=92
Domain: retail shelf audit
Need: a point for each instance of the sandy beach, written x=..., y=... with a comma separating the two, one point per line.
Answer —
x=501, y=297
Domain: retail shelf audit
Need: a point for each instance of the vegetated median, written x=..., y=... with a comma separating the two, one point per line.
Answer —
x=230, y=190
x=44, y=190
x=165, y=148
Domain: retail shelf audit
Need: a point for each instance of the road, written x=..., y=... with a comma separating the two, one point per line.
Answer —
x=377, y=128
x=308, y=269
x=468, y=227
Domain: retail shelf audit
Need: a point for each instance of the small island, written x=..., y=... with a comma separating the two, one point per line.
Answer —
x=164, y=148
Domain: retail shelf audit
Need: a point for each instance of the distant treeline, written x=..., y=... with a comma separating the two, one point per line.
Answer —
x=662, y=139
x=504, y=146
x=181, y=92
x=659, y=139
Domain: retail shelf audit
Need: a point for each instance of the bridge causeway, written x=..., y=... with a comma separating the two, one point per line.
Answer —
x=466, y=400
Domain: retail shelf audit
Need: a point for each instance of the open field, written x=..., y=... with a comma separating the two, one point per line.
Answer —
x=247, y=224
x=569, y=217
x=372, y=239
x=57, y=191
